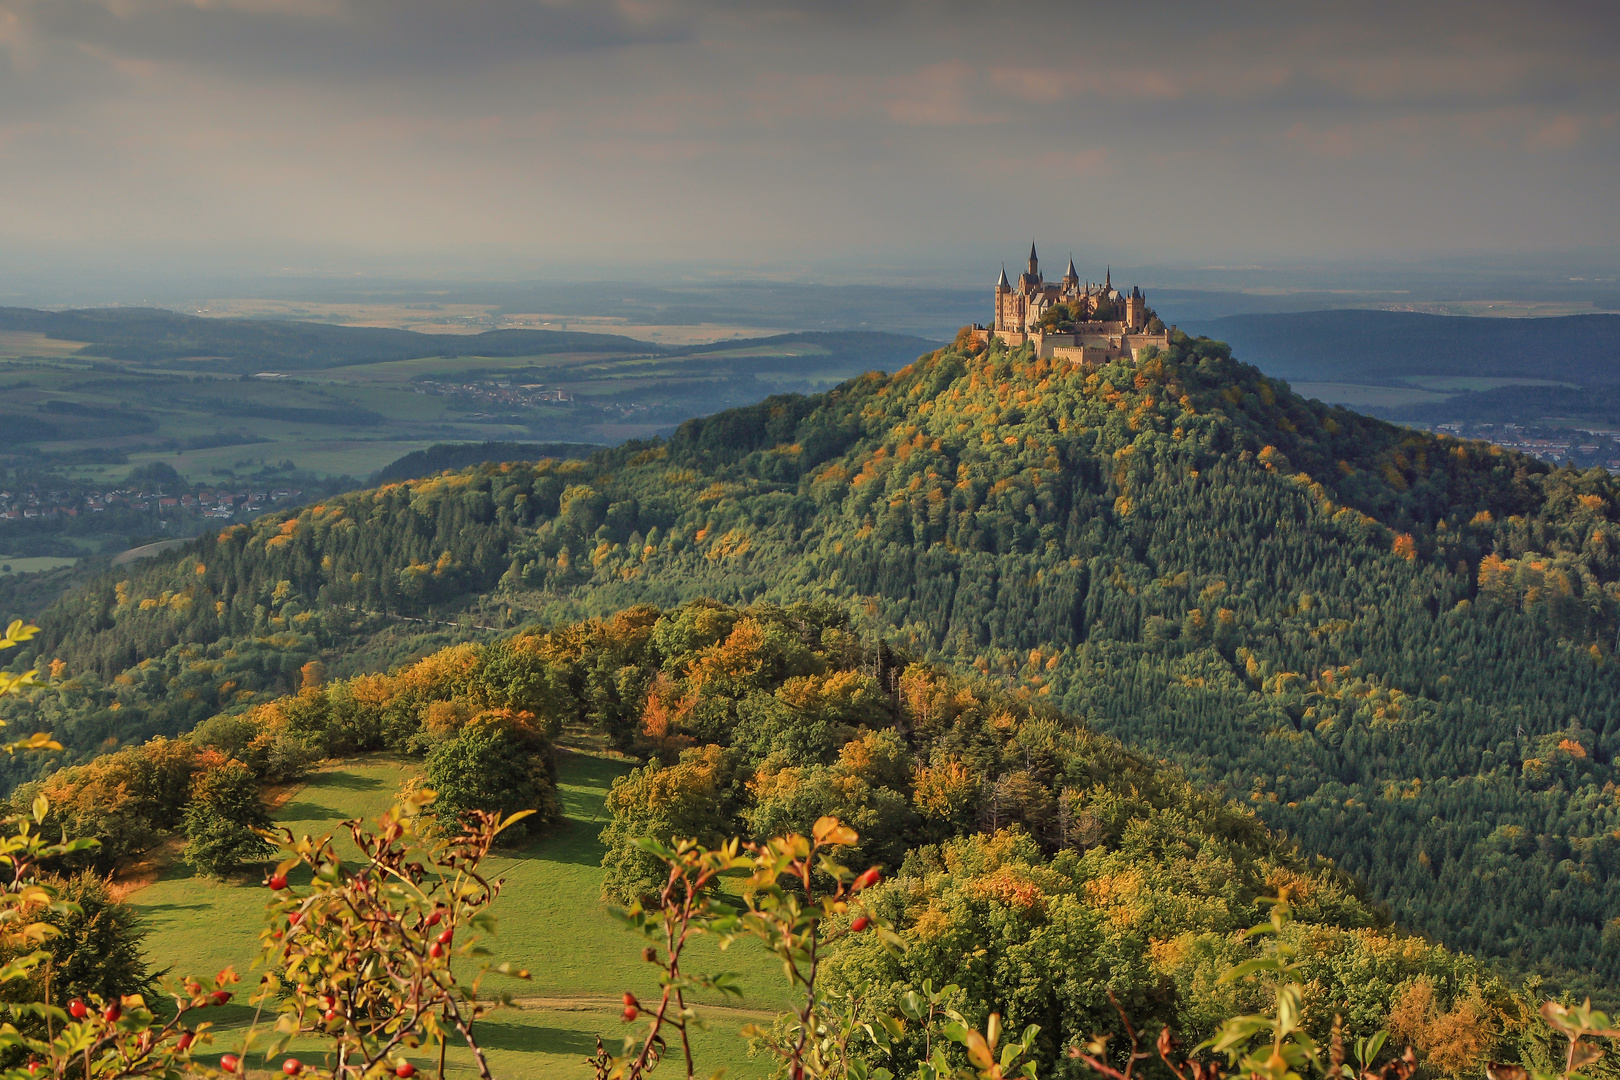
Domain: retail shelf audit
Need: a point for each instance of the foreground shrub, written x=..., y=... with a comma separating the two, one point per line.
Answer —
x=223, y=821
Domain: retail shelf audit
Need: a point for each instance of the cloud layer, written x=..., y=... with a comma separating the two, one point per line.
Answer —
x=535, y=136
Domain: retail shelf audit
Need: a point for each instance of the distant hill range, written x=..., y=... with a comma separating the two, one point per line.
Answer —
x=1362, y=346
x=148, y=335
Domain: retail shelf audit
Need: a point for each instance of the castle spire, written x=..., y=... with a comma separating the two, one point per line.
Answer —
x=1108, y=279
x=1034, y=263
x=1002, y=284
x=1070, y=274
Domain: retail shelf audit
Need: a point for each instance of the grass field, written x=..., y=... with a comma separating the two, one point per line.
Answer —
x=32, y=564
x=1455, y=383
x=1356, y=396
x=551, y=921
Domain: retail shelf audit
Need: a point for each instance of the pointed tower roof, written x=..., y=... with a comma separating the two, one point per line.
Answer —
x=1070, y=272
x=1002, y=284
x=1108, y=278
x=1032, y=251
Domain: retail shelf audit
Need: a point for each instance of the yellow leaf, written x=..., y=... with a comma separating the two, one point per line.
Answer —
x=978, y=1051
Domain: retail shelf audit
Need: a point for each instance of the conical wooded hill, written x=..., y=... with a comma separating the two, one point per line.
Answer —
x=1397, y=646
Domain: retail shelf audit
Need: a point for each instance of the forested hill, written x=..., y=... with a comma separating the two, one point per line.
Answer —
x=1398, y=647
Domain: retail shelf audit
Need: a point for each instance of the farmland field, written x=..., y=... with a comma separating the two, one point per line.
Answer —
x=551, y=920
x=1356, y=396
x=32, y=564
x=92, y=413
x=1457, y=383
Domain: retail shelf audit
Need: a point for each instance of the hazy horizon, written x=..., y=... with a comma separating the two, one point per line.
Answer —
x=165, y=141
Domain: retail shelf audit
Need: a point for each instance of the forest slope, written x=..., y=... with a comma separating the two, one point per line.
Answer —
x=1398, y=647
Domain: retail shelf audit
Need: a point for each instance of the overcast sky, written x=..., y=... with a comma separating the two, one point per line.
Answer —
x=547, y=137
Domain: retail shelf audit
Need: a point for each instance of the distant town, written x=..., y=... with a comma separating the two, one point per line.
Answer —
x=29, y=502
x=1583, y=448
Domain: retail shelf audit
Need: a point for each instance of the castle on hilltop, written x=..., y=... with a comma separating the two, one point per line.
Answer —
x=1084, y=323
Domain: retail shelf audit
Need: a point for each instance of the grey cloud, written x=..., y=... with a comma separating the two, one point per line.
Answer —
x=345, y=40
x=697, y=129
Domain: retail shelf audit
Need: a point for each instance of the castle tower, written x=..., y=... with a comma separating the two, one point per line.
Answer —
x=1034, y=263
x=1135, y=309
x=1071, y=279
x=1003, y=294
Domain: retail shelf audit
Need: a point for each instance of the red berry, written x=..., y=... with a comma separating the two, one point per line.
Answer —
x=295, y=918
x=292, y=1066
x=433, y=919
x=405, y=1070
x=435, y=950
x=278, y=882
x=185, y=1040
x=329, y=1015
x=860, y=924
x=230, y=1063
x=446, y=934
x=867, y=880
x=219, y=997
x=79, y=1009
x=630, y=1000
x=630, y=1013
x=112, y=1012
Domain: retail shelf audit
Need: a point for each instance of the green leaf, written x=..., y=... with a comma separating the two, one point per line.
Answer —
x=1247, y=968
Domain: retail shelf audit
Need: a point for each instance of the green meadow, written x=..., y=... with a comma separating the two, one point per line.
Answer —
x=32, y=564
x=552, y=921
x=1356, y=396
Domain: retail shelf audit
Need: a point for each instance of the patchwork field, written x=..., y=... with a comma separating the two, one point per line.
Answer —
x=552, y=921
x=93, y=413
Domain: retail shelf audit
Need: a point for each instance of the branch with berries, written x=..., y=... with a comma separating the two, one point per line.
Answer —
x=362, y=955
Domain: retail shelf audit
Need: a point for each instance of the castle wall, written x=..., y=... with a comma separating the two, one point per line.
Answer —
x=1084, y=355
x=1077, y=348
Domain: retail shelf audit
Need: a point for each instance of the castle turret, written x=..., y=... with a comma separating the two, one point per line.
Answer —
x=1034, y=263
x=1071, y=279
x=1003, y=299
x=1136, y=309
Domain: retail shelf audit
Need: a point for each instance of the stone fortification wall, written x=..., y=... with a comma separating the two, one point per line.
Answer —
x=1097, y=348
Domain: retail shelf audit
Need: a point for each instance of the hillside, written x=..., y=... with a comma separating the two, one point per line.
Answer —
x=1556, y=378
x=1093, y=870
x=454, y=456
x=1397, y=647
